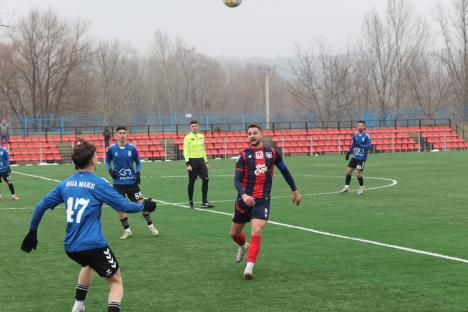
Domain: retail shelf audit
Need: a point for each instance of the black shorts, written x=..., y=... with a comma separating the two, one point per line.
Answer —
x=5, y=176
x=132, y=191
x=101, y=260
x=198, y=168
x=357, y=164
x=244, y=213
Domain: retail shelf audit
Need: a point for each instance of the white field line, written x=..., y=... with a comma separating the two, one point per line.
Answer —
x=364, y=241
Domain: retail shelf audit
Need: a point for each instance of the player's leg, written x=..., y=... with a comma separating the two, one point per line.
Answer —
x=349, y=171
x=1, y=197
x=203, y=173
x=84, y=281
x=254, y=248
x=240, y=218
x=359, y=177
x=192, y=177
x=115, y=292
x=8, y=181
x=122, y=190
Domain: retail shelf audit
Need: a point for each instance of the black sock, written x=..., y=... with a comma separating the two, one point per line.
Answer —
x=113, y=307
x=348, y=179
x=81, y=292
x=148, y=218
x=12, y=188
x=361, y=181
x=125, y=223
x=204, y=190
x=190, y=190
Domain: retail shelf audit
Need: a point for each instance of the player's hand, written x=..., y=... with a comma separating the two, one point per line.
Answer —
x=149, y=205
x=138, y=177
x=30, y=241
x=248, y=200
x=189, y=168
x=347, y=156
x=113, y=174
x=207, y=166
x=297, y=197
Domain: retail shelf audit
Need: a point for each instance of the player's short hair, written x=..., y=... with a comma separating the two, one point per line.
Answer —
x=362, y=121
x=82, y=154
x=253, y=125
x=78, y=132
x=192, y=122
x=121, y=128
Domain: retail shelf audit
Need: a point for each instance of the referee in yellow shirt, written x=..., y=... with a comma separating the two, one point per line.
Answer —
x=197, y=164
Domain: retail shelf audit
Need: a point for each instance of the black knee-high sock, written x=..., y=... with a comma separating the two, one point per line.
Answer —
x=361, y=181
x=113, y=307
x=190, y=190
x=125, y=223
x=148, y=218
x=204, y=190
x=12, y=188
x=81, y=291
x=348, y=179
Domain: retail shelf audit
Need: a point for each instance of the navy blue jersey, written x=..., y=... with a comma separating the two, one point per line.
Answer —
x=254, y=171
x=4, y=160
x=83, y=194
x=121, y=160
x=360, y=145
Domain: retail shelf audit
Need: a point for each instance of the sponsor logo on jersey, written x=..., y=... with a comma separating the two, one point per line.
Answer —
x=259, y=155
x=129, y=153
x=269, y=155
x=260, y=169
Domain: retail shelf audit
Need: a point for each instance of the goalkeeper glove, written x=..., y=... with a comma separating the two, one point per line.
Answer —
x=30, y=241
x=113, y=174
x=138, y=178
x=347, y=156
x=149, y=205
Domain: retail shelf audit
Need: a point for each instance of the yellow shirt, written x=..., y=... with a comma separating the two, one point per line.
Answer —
x=194, y=146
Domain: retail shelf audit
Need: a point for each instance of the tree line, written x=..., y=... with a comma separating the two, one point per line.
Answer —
x=50, y=66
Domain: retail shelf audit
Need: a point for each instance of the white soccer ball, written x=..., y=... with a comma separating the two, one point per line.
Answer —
x=232, y=3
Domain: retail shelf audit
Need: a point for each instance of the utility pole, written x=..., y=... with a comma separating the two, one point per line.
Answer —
x=267, y=69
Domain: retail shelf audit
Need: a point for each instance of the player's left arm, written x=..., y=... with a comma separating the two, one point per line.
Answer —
x=281, y=165
x=367, y=143
x=7, y=161
x=138, y=166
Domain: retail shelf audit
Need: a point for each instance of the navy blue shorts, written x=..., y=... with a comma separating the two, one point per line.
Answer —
x=244, y=213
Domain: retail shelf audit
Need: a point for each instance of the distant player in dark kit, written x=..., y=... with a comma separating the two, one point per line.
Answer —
x=5, y=172
x=253, y=179
x=197, y=163
x=119, y=162
x=359, y=148
x=84, y=194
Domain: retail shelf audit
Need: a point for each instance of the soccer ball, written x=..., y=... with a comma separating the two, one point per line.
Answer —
x=232, y=3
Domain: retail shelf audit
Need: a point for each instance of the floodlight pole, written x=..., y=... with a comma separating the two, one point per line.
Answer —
x=267, y=70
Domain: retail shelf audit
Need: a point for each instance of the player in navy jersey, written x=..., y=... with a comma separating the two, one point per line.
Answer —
x=5, y=172
x=119, y=162
x=359, y=148
x=253, y=179
x=84, y=194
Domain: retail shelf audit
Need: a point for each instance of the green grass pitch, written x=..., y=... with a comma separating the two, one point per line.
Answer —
x=190, y=267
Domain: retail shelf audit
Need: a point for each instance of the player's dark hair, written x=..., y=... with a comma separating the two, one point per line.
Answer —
x=194, y=122
x=252, y=125
x=362, y=121
x=121, y=128
x=82, y=154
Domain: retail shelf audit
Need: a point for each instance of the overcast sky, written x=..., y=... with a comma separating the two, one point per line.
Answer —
x=265, y=28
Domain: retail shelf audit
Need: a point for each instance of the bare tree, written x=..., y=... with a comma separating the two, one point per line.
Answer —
x=45, y=53
x=454, y=27
x=392, y=43
x=322, y=84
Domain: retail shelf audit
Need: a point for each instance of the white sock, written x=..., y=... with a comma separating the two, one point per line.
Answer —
x=250, y=265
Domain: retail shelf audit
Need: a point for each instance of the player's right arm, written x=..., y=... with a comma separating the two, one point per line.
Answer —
x=111, y=171
x=238, y=175
x=187, y=149
x=107, y=194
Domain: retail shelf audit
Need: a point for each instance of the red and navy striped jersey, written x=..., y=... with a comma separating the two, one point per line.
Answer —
x=257, y=166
